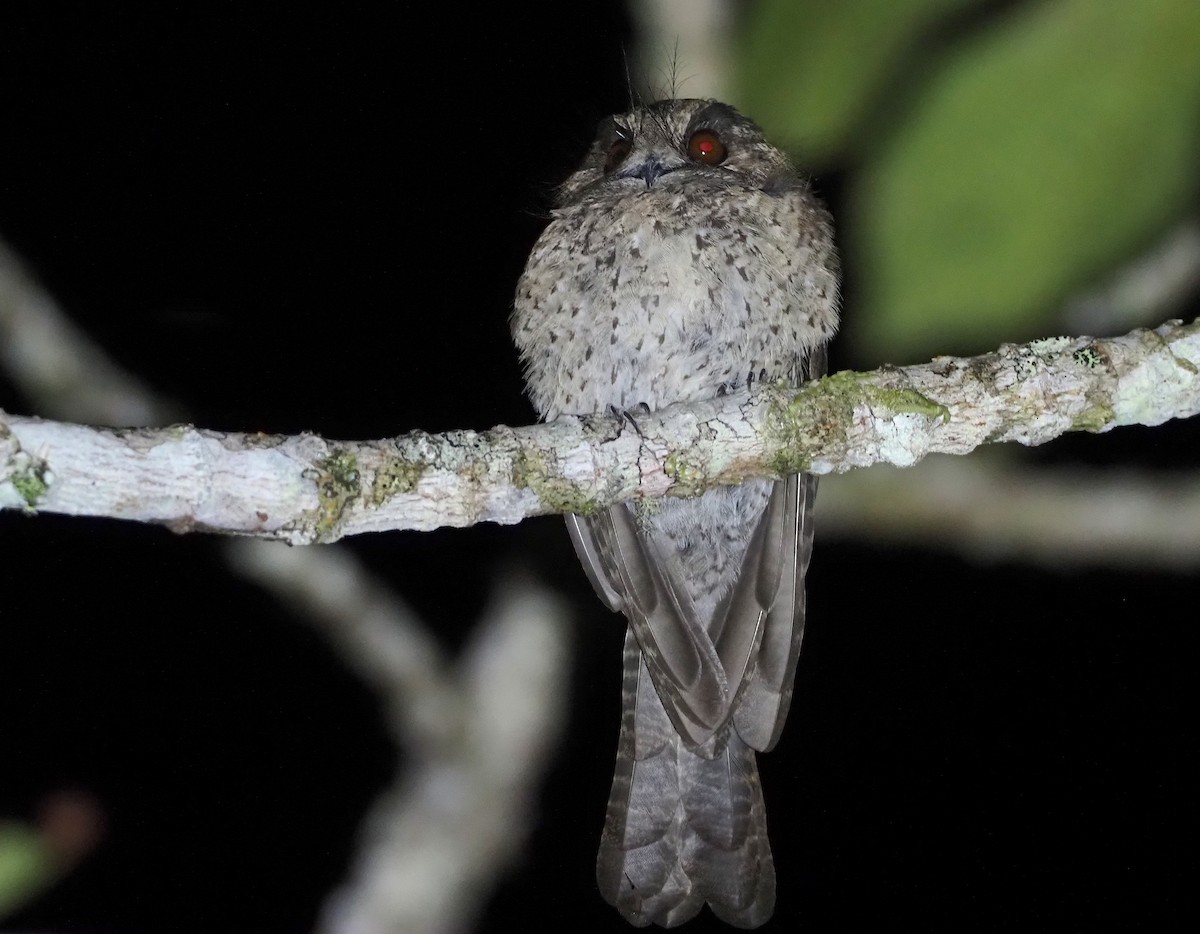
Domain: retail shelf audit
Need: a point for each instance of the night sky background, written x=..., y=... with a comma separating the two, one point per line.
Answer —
x=315, y=221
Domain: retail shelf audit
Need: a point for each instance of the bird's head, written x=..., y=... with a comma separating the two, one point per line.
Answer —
x=670, y=143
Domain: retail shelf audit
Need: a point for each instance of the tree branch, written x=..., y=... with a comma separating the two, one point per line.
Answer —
x=305, y=489
x=991, y=509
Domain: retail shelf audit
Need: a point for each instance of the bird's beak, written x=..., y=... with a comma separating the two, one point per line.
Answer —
x=649, y=169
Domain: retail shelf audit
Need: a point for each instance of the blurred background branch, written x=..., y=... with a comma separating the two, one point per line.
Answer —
x=473, y=739
x=477, y=735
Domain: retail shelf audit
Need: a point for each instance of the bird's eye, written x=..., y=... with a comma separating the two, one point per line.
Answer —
x=706, y=146
x=618, y=149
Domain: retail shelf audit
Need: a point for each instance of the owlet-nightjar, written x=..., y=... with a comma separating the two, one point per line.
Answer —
x=686, y=259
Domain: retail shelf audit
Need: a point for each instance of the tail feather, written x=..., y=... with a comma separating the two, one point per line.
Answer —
x=684, y=826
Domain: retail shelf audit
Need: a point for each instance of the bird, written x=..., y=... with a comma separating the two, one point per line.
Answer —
x=685, y=259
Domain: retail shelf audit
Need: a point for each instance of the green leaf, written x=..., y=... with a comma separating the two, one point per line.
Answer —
x=26, y=866
x=1041, y=153
x=813, y=70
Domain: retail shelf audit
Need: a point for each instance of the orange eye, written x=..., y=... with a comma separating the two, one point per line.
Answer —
x=706, y=146
x=617, y=151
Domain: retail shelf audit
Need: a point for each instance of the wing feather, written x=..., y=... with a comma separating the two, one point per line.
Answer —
x=679, y=653
x=765, y=694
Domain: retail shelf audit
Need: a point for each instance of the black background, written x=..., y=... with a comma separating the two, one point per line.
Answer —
x=314, y=221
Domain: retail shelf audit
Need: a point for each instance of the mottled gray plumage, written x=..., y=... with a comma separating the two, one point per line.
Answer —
x=685, y=259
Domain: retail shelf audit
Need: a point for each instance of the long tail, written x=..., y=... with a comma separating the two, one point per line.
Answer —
x=684, y=826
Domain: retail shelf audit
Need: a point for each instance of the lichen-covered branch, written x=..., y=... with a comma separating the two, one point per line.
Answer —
x=307, y=489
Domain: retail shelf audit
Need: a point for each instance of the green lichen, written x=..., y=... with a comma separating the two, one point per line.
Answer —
x=31, y=484
x=905, y=402
x=797, y=424
x=397, y=475
x=1087, y=356
x=30, y=477
x=533, y=471
x=1094, y=419
x=1048, y=346
x=338, y=482
x=686, y=478
x=1185, y=364
x=819, y=413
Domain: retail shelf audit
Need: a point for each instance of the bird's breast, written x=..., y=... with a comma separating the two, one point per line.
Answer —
x=653, y=301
